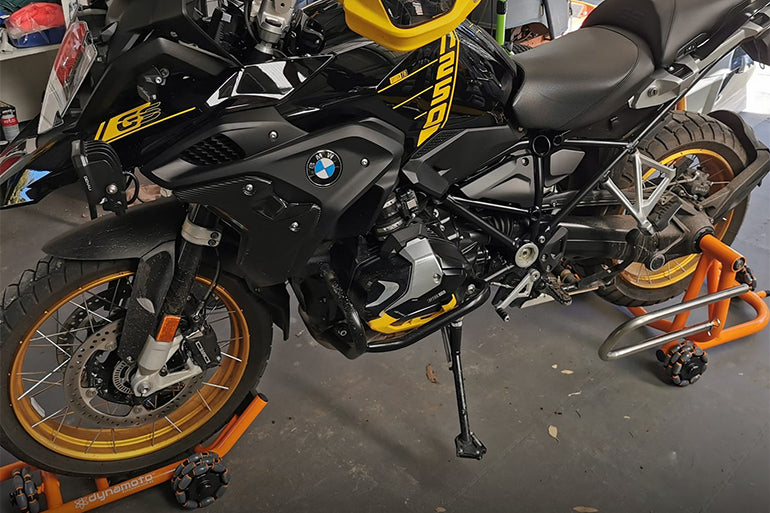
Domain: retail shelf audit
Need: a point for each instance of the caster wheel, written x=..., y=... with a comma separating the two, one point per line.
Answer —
x=24, y=494
x=684, y=364
x=200, y=480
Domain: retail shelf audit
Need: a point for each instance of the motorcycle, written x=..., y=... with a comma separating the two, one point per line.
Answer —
x=387, y=161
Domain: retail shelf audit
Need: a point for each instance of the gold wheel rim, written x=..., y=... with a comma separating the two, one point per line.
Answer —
x=637, y=274
x=56, y=433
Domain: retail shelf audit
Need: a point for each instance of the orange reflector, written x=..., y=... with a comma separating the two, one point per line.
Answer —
x=168, y=328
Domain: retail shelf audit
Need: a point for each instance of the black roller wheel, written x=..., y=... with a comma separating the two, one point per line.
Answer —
x=24, y=494
x=684, y=364
x=200, y=480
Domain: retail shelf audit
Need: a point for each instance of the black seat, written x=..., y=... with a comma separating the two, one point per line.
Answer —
x=581, y=78
x=667, y=26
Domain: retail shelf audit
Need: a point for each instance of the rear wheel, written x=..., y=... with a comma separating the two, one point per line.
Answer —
x=67, y=404
x=696, y=143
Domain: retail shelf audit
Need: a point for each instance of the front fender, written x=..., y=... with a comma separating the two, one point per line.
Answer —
x=137, y=234
x=132, y=235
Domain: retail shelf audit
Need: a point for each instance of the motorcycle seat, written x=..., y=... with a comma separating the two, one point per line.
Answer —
x=667, y=26
x=580, y=79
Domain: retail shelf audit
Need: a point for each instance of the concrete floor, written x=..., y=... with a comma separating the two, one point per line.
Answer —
x=375, y=435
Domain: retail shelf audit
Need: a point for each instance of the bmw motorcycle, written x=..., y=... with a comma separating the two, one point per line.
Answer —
x=387, y=161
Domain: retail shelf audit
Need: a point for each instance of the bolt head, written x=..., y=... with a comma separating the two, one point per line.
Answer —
x=248, y=189
x=158, y=80
x=471, y=288
x=112, y=189
x=541, y=239
x=294, y=227
x=437, y=278
x=273, y=135
x=365, y=162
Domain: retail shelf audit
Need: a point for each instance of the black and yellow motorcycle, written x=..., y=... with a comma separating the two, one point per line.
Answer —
x=386, y=160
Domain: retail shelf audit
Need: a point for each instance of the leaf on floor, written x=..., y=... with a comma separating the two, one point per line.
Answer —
x=567, y=372
x=554, y=366
x=553, y=431
x=585, y=509
x=440, y=510
x=575, y=393
x=431, y=374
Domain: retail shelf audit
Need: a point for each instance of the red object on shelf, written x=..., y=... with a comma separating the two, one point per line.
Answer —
x=34, y=17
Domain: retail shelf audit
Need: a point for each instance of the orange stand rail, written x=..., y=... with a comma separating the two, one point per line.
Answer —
x=107, y=492
x=718, y=269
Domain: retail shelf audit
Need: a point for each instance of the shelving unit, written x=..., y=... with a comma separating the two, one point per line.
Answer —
x=23, y=75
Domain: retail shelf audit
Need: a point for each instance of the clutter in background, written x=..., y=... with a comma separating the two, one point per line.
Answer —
x=36, y=24
x=9, y=123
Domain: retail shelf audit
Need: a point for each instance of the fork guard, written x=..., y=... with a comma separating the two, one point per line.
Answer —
x=718, y=267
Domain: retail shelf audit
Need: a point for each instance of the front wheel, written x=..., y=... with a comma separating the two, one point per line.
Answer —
x=66, y=403
x=690, y=143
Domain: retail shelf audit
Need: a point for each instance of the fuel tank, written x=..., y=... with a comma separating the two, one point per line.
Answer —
x=462, y=81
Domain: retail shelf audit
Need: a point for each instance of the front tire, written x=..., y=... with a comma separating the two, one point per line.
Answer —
x=709, y=144
x=51, y=317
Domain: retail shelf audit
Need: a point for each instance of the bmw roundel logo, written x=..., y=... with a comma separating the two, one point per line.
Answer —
x=324, y=168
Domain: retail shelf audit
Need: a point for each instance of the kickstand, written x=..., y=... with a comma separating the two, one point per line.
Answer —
x=467, y=444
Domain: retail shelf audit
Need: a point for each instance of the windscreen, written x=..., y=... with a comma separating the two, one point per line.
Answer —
x=405, y=14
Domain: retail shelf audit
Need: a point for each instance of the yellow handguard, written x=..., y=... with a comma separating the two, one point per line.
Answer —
x=405, y=25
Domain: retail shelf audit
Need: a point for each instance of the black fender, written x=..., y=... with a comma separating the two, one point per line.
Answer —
x=747, y=180
x=141, y=233
x=132, y=235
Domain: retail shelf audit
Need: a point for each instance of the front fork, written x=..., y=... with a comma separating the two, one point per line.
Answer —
x=161, y=289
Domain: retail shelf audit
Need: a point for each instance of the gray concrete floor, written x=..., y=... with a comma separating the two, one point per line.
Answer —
x=375, y=435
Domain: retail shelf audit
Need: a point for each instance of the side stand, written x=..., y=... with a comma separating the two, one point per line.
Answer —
x=467, y=444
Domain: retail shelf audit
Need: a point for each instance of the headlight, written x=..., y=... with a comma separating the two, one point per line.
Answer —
x=73, y=62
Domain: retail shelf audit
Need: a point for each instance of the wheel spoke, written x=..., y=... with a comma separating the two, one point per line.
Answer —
x=46, y=377
x=57, y=346
x=59, y=334
x=231, y=357
x=204, y=401
x=93, y=441
x=36, y=424
x=170, y=422
x=216, y=386
x=61, y=423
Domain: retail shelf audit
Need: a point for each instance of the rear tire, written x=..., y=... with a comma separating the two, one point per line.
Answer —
x=36, y=432
x=691, y=134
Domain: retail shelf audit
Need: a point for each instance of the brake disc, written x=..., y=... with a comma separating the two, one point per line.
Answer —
x=83, y=398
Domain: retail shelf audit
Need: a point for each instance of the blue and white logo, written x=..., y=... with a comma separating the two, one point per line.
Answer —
x=324, y=168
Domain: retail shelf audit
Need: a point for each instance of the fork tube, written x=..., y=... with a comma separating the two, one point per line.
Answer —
x=189, y=260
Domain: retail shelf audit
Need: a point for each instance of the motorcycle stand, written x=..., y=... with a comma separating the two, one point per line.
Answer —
x=726, y=276
x=197, y=481
x=466, y=443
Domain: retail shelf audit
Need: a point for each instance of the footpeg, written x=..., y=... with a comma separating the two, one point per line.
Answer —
x=553, y=288
x=470, y=447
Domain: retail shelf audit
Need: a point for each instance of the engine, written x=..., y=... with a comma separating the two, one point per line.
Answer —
x=413, y=267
